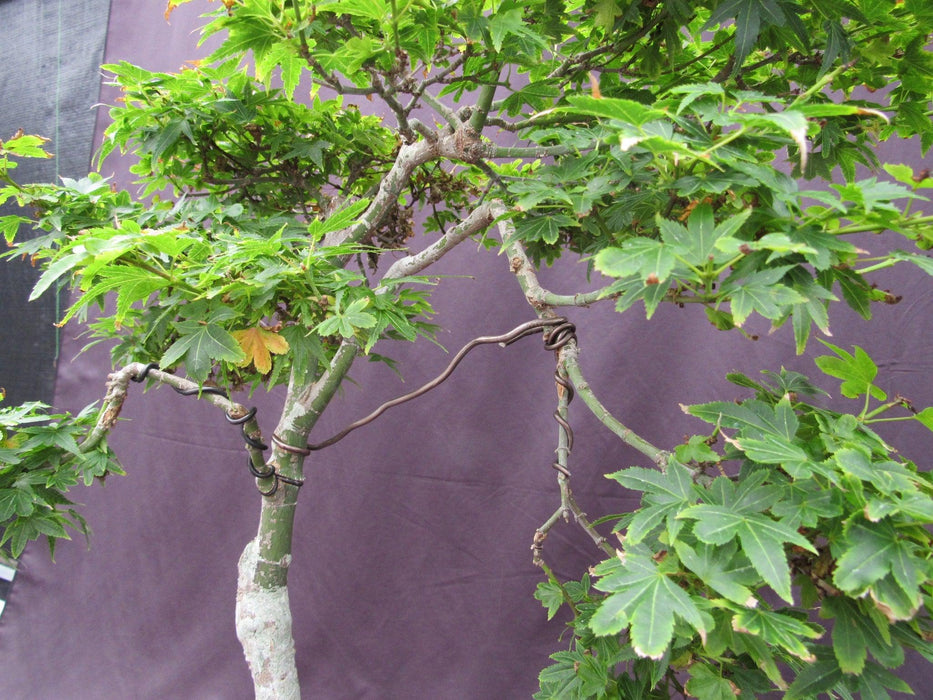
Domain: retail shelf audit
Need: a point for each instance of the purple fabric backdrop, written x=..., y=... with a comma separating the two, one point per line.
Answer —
x=412, y=574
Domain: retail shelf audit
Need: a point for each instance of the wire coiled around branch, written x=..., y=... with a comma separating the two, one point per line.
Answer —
x=241, y=421
x=555, y=338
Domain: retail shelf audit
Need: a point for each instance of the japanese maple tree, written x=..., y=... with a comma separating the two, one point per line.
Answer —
x=719, y=155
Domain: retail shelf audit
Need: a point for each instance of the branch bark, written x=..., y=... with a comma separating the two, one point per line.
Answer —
x=538, y=298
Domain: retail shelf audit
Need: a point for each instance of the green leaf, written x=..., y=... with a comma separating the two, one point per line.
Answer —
x=696, y=449
x=849, y=643
x=541, y=228
x=924, y=262
x=772, y=450
x=747, y=16
x=675, y=484
x=694, y=92
x=857, y=371
x=15, y=502
x=761, y=293
x=869, y=551
x=504, y=23
x=926, y=417
x=888, y=477
x=645, y=598
x=551, y=596
x=356, y=317
x=26, y=146
x=666, y=493
x=777, y=629
x=646, y=258
x=706, y=684
x=762, y=540
x=617, y=109
x=720, y=569
x=201, y=345
x=58, y=268
x=815, y=678
x=697, y=241
x=132, y=285
x=753, y=418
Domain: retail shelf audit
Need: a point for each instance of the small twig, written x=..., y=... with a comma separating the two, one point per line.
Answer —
x=588, y=528
x=521, y=266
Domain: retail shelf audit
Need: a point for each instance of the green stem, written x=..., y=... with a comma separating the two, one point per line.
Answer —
x=483, y=102
x=881, y=409
x=871, y=228
x=569, y=356
x=890, y=262
x=818, y=86
x=305, y=51
x=398, y=45
x=738, y=133
x=305, y=401
x=889, y=420
x=445, y=112
x=530, y=151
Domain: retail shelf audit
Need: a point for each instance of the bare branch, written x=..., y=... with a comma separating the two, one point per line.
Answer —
x=538, y=296
x=410, y=156
x=477, y=221
x=538, y=299
x=118, y=384
x=463, y=145
x=570, y=358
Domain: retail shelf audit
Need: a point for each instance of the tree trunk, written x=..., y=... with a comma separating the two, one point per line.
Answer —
x=264, y=626
x=263, y=616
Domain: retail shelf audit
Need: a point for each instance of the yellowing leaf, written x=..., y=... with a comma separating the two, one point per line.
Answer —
x=257, y=344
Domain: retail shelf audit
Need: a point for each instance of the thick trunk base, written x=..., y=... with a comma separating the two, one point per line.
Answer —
x=264, y=628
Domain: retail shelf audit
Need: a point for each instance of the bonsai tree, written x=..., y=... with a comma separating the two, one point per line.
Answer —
x=716, y=155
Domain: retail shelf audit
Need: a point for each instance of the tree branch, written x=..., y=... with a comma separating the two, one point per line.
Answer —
x=494, y=151
x=537, y=298
x=443, y=110
x=570, y=358
x=478, y=220
x=118, y=384
x=524, y=271
x=481, y=108
x=462, y=145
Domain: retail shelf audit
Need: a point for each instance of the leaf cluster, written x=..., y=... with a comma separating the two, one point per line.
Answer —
x=40, y=460
x=196, y=281
x=703, y=581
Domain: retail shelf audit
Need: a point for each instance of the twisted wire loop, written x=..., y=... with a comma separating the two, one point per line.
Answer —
x=548, y=325
x=251, y=442
x=555, y=338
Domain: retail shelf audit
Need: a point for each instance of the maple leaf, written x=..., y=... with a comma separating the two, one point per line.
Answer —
x=259, y=344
